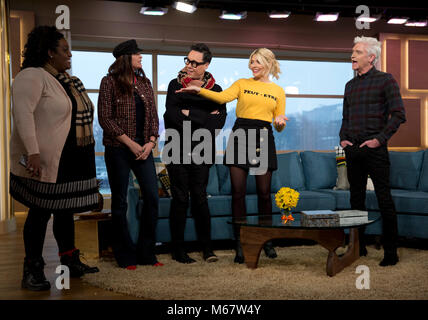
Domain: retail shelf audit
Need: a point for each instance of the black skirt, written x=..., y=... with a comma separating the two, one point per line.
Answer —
x=251, y=145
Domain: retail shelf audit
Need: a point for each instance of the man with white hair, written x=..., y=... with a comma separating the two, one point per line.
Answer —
x=372, y=112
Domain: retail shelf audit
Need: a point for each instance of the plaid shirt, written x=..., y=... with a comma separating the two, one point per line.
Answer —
x=372, y=108
x=117, y=112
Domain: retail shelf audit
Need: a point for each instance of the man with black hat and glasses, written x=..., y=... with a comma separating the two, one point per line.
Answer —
x=198, y=113
x=127, y=113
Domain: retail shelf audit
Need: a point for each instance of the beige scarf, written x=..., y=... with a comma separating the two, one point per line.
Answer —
x=85, y=108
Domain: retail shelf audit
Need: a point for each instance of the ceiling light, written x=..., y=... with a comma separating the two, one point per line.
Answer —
x=413, y=23
x=326, y=17
x=233, y=15
x=184, y=6
x=153, y=11
x=398, y=20
x=279, y=14
x=368, y=19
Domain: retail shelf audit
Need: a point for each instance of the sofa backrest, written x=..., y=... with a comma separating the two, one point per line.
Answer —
x=319, y=169
x=290, y=172
x=213, y=187
x=405, y=169
x=225, y=186
x=423, y=178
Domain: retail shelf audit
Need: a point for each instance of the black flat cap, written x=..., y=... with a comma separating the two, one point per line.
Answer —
x=127, y=47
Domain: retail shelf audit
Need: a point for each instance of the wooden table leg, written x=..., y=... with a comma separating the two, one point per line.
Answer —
x=335, y=264
x=253, y=239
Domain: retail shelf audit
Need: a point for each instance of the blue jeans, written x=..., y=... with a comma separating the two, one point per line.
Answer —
x=119, y=162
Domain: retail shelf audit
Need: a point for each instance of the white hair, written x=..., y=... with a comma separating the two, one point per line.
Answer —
x=373, y=46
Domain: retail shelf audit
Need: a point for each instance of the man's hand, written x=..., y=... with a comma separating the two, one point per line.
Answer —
x=345, y=143
x=147, y=148
x=373, y=143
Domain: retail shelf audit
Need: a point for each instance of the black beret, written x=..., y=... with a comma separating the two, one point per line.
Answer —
x=127, y=47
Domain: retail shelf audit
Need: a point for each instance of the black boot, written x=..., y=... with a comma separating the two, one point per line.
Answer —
x=34, y=278
x=269, y=250
x=76, y=267
x=181, y=256
x=390, y=257
x=239, y=257
x=209, y=255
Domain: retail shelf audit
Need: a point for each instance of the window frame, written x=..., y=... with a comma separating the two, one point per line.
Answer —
x=155, y=53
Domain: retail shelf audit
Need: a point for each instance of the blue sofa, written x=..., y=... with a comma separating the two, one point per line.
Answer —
x=314, y=175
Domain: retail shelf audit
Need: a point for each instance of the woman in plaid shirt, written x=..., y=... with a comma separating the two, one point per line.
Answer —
x=127, y=113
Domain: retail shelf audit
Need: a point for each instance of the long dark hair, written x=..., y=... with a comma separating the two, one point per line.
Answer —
x=122, y=72
x=40, y=40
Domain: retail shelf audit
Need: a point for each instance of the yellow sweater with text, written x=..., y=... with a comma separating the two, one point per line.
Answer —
x=256, y=99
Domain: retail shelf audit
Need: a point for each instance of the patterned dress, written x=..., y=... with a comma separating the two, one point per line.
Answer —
x=76, y=188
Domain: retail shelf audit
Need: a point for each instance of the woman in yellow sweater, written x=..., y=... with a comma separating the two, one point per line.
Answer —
x=259, y=102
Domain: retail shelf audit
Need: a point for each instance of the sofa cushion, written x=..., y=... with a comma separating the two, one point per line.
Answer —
x=290, y=171
x=319, y=169
x=213, y=186
x=423, y=179
x=411, y=202
x=405, y=169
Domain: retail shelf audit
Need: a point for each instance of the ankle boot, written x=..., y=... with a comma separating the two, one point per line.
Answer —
x=390, y=257
x=76, y=267
x=34, y=277
x=269, y=250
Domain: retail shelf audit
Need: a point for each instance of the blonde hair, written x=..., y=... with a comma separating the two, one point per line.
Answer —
x=268, y=60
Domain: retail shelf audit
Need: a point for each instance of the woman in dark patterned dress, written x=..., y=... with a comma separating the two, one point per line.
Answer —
x=52, y=152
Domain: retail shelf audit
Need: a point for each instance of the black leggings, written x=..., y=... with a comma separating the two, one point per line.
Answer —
x=239, y=189
x=35, y=231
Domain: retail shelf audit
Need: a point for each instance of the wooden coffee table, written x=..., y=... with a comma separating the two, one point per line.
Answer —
x=255, y=231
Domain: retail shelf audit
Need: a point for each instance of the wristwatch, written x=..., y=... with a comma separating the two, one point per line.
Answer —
x=154, y=142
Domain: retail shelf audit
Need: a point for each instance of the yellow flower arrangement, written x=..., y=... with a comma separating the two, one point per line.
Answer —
x=285, y=199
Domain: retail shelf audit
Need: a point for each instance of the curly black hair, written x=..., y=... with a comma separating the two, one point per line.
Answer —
x=40, y=40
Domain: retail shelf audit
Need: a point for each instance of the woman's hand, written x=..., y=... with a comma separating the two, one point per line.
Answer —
x=33, y=165
x=147, y=149
x=189, y=89
x=280, y=122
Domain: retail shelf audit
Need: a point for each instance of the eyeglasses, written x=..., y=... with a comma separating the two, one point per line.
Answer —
x=194, y=64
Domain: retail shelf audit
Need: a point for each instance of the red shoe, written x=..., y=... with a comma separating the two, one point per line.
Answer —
x=158, y=264
x=131, y=267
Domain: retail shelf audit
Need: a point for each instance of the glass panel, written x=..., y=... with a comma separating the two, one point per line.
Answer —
x=161, y=111
x=102, y=174
x=98, y=131
x=314, y=77
x=314, y=124
x=168, y=68
x=227, y=70
x=91, y=67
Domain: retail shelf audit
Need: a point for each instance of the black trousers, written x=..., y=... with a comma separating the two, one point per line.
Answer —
x=35, y=231
x=185, y=179
x=119, y=162
x=365, y=161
